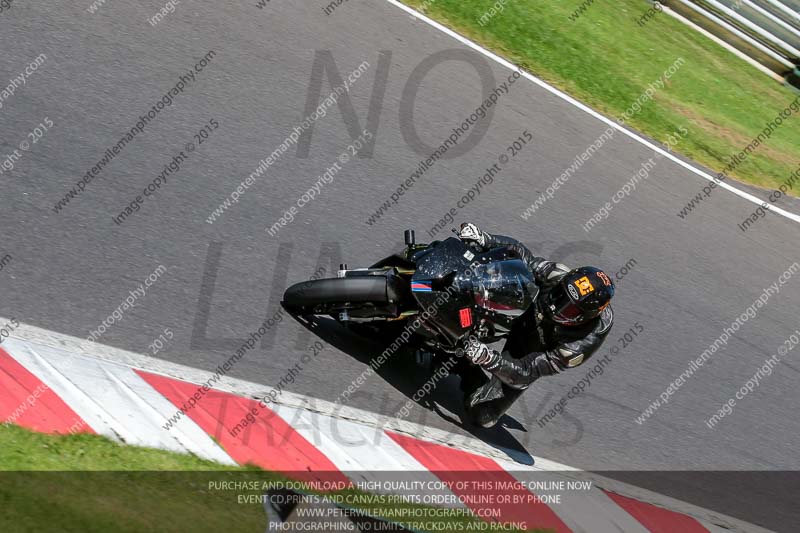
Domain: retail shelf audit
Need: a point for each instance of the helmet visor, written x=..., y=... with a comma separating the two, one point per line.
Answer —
x=561, y=307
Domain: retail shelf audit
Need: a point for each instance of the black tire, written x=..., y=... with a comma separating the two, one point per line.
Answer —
x=325, y=295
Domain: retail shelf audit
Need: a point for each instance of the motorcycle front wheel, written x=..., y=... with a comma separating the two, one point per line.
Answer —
x=363, y=296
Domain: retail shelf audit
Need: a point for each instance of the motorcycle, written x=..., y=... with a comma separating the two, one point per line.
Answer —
x=450, y=288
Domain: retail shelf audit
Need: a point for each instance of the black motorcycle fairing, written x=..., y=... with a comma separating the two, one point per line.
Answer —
x=455, y=287
x=503, y=290
x=445, y=266
x=489, y=286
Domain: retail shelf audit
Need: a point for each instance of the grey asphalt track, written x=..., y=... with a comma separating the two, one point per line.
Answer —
x=72, y=269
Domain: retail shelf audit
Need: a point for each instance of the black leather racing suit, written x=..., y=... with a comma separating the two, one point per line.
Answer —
x=535, y=346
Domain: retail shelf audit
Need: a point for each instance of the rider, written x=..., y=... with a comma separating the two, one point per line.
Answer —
x=562, y=329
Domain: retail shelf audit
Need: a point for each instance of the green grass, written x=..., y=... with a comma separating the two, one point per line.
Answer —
x=606, y=60
x=88, y=483
x=21, y=449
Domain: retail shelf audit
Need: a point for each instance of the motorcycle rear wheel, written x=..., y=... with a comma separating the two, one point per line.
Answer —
x=368, y=294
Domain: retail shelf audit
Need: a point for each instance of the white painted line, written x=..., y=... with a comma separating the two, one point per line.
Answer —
x=725, y=185
x=84, y=349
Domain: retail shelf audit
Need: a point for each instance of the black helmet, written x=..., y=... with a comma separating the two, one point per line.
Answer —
x=579, y=296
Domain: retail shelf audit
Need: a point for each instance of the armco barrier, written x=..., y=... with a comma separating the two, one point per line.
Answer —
x=764, y=32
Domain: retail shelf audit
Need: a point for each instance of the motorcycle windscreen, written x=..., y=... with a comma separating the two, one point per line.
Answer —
x=504, y=287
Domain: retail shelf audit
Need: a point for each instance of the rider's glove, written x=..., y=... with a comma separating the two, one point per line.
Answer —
x=471, y=232
x=480, y=354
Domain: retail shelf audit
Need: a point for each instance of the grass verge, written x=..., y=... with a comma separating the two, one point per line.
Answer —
x=606, y=59
x=88, y=483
